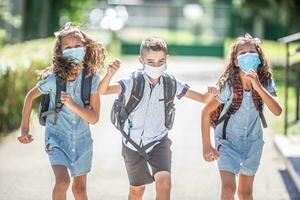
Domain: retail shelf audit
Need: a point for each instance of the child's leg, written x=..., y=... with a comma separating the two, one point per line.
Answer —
x=228, y=185
x=163, y=185
x=136, y=192
x=245, y=187
x=79, y=187
x=137, y=171
x=161, y=159
x=62, y=182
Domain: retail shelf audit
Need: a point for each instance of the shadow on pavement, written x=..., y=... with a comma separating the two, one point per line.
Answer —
x=290, y=187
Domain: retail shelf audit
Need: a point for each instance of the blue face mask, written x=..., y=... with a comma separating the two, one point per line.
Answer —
x=75, y=54
x=248, y=61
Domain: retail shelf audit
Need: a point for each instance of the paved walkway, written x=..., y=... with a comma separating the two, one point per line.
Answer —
x=25, y=173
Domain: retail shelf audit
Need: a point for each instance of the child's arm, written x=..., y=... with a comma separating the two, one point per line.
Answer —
x=104, y=87
x=200, y=97
x=89, y=115
x=269, y=100
x=27, y=108
x=209, y=153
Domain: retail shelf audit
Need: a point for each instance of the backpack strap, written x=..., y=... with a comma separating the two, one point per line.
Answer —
x=140, y=150
x=170, y=87
x=60, y=86
x=258, y=102
x=237, y=92
x=135, y=98
x=86, y=86
x=137, y=92
x=45, y=102
x=262, y=116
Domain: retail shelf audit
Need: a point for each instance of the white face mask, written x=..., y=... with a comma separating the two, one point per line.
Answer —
x=155, y=72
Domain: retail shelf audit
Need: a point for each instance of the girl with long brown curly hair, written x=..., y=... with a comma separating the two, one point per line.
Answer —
x=71, y=86
x=236, y=114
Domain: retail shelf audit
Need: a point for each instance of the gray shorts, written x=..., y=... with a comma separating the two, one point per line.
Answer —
x=137, y=166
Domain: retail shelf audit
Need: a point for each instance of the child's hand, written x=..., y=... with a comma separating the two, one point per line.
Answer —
x=66, y=98
x=213, y=91
x=209, y=153
x=253, y=78
x=113, y=67
x=25, y=137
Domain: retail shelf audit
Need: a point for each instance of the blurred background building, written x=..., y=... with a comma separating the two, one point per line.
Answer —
x=210, y=19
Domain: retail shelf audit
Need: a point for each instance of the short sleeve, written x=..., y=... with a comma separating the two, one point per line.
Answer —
x=181, y=89
x=225, y=94
x=95, y=82
x=46, y=85
x=126, y=85
x=271, y=88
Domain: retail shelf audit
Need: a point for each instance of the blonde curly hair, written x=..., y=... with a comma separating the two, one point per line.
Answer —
x=63, y=67
x=263, y=70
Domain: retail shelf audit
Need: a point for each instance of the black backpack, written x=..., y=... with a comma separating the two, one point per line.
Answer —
x=121, y=110
x=44, y=111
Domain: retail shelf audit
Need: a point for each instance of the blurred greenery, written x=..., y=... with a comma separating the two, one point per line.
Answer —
x=265, y=18
x=182, y=37
x=18, y=64
x=277, y=122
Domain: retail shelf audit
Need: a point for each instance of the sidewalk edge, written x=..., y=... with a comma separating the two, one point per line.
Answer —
x=289, y=166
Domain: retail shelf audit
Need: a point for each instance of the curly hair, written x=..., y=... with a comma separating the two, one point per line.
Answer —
x=63, y=67
x=263, y=70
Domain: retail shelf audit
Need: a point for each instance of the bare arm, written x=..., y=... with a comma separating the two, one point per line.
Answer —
x=26, y=112
x=200, y=97
x=90, y=115
x=209, y=153
x=104, y=87
x=270, y=101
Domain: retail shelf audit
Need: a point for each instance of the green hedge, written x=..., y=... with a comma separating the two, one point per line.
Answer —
x=18, y=64
x=215, y=50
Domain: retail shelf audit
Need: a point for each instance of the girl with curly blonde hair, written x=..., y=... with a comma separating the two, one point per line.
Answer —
x=68, y=141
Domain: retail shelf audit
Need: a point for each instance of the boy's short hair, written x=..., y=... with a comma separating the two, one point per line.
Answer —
x=154, y=44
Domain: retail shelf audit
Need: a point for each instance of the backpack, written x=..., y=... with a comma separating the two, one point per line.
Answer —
x=121, y=110
x=237, y=91
x=86, y=83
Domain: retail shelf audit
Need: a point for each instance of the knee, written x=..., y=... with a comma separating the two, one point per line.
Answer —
x=79, y=189
x=244, y=193
x=136, y=192
x=228, y=191
x=163, y=183
x=62, y=184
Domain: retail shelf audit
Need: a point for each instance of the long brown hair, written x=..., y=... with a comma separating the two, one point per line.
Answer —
x=63, y=67
x=263, y=70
